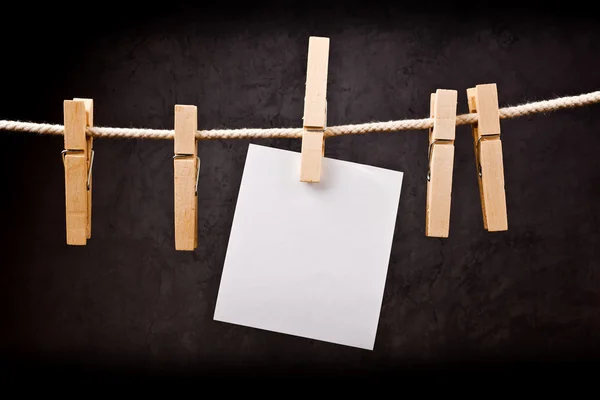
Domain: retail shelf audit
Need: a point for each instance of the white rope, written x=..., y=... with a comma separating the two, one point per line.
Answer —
x=245, y=133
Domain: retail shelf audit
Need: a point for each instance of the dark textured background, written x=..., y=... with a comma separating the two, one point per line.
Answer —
x=129, y=300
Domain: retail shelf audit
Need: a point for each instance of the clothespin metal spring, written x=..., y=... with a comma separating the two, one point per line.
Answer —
x=441, y=141
x=177, y=156
x=76, y=151
x=478, y=150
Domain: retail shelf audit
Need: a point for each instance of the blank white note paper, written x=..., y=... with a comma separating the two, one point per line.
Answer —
x=309, y=259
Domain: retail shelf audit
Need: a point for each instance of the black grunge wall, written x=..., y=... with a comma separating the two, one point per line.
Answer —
x=128, y=299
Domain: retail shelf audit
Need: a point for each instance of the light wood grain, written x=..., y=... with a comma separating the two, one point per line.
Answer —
x=483, y=99
x=75, y=163
x=315, y=100
x=89, y=110
x=315, y=110
x=312, y=156
x=185, y=204
x=439, y=191
x=89, y=114
x=492, y=183
x=441, y=163
x=444, y=115
x=75, y=122
x=488, y=112
x=186, y=126
x=472, y=102
x=186, y=167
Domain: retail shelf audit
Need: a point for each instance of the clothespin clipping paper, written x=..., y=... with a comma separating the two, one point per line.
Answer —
x=315, y=110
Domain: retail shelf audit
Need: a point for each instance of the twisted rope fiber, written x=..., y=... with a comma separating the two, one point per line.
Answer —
x=246, y=133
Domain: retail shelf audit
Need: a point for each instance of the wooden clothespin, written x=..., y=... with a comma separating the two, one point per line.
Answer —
x=483, y=100
x=315, y=110
x=186, y=164
x=441, y=162
x=78, y=160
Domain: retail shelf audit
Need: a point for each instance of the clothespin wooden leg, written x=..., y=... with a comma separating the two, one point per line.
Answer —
x=483, y=100
x=77, y=159
x=315, y=110
x=186, y=164
x=441, y=162
x=89, y=112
